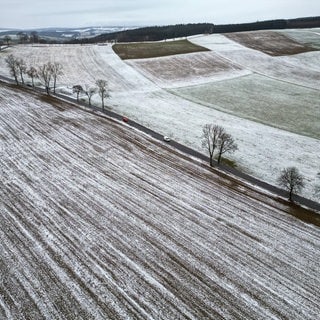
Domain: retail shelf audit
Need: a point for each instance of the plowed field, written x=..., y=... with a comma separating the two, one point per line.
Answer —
x=99, y=221
x=270, y=42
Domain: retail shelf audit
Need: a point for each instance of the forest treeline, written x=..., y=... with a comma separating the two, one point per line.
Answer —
x=154, y=33
x=157, y=33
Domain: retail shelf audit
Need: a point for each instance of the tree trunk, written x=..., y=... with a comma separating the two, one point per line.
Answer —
x=211, y=160
x=290, y=194
x=21, y=76
x=219, y=157
x=54, y=85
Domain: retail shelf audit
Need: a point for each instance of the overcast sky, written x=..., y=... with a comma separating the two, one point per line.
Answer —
x=82, y=13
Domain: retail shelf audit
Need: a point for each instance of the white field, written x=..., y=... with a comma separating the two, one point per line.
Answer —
x=272, y=102
x=99, y=221
x=261, y=63
x=305, y=36
x=140, y=95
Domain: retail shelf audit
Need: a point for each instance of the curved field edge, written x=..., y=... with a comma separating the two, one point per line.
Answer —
x=143, y=50
x=100, y=221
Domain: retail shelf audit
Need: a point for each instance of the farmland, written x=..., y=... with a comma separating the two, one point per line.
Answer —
x=273, y=43
x=309, y=37
x=99, y=221
x=281, y=109
x=173, y=95
x=155, y=49
x=186, y=69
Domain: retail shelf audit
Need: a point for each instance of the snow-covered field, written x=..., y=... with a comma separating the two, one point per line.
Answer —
x=305, y=36
x=143, y=91
x=250, y=97
x=99, y=221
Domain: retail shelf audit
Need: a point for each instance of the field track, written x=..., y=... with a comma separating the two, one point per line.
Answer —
x=99, y=221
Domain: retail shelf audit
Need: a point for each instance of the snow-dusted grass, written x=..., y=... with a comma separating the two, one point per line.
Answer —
x=309, y=37
x=263, y=150
x=99, y=221
x=309, y=60
x=283, y=105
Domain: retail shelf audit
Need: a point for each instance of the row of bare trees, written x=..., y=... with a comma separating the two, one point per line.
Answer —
x=22, y=37
x=101, y=88
x=46, y=73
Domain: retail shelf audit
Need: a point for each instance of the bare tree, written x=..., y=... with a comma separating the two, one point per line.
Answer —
x=103, y=90
x=11, y=61
x=77, y=89
x=225, y=144
x=7, y=40
x=89, y=92
x=56, y=70
x=210, y=138
x=291, y=180
x=32, y=73
x=44, y=74
x=34, y=37
x=21, y=65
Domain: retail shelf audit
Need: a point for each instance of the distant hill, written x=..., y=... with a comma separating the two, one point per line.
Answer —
x=157, y=33
x=60, y=34
x=152, y=33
